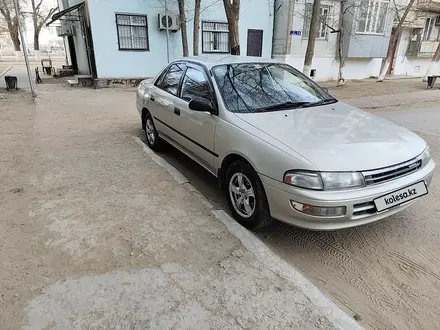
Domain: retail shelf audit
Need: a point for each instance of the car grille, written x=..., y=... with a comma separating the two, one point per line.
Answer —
x=392, y=172
x=363, y=210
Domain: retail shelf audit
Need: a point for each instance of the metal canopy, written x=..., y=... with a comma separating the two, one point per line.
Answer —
x=64, y=12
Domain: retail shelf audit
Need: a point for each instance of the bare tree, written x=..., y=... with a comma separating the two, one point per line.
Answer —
x=10, y=16
x=183, y=27
x=232, y=9
x=312, y=37
x=196, y=28
x=394, y=39
x=40, y=14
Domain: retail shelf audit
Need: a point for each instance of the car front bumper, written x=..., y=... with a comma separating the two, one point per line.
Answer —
x=358, y=202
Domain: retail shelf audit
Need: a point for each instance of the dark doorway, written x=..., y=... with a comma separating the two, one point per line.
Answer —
x=255, y=43
x=72, y=54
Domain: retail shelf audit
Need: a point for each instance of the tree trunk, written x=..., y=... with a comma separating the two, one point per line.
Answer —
x=183, y=27
x=37, y=44
x=196, y=27
x=233, y=15
x=433, y=68
x=234, y=37
x=393, y=42
x=15, y=38
x=341, y=60
x=312, y=37
x=36, y=39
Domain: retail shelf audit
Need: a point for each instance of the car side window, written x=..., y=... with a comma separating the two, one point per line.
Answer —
x=195, y=85
x=171, y=80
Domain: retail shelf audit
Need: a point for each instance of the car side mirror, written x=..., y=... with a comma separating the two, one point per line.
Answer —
x=201, y=105
x=325, y=89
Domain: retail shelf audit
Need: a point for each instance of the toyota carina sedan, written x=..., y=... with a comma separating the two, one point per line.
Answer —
x=281, y=146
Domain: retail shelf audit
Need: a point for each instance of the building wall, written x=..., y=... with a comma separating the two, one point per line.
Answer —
x=324, y=61
x=281, y=26
x=360, y=45
x=112, y=63
x=79, y=38
x=363, y=53
x=415, y=66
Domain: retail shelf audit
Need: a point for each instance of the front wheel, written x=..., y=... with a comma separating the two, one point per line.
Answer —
x=246, y=196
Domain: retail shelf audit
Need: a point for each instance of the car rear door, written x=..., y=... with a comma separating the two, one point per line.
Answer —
x=195, y=129
x=162, y=96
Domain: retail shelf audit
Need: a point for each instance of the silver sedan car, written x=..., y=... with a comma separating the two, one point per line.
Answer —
x=281, y=146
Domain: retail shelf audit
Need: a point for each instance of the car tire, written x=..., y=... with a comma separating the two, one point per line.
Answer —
x=151, y=135
x=246, y=196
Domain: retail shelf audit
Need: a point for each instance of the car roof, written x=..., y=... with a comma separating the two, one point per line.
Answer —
x=210, y=61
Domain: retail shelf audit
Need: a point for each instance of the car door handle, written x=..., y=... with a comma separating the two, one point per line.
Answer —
x=176, y=111
x=152, y=98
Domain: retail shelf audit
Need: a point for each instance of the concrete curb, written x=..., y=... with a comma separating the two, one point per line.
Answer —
x=329, y=309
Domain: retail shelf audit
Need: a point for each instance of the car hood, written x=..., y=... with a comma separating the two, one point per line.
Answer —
x=339, y=137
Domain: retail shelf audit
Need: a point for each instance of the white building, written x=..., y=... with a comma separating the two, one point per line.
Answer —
x=418, y=41
x=367, y=26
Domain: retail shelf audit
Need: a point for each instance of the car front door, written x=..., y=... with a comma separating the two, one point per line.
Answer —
x=162, y=96
x=195, y=129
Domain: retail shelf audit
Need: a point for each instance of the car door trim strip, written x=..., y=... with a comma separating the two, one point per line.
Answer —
x=187, y=137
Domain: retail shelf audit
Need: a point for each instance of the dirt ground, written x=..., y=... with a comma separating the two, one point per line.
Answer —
x=87, y=243
x=95, y=235
x=370, y=95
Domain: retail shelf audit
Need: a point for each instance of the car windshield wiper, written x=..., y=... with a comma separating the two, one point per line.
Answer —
x=322, y=102
x=284, y=105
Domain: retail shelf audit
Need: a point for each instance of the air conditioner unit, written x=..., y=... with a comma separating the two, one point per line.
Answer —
x=437, y=20
x=171, y=20
x=66, y=29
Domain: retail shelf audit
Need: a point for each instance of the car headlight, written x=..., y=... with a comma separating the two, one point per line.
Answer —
x=425, y=156
x=340, y=180
x=303, y=179
x=324, y=180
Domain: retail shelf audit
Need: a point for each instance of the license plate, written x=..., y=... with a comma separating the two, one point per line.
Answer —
x=401, y=196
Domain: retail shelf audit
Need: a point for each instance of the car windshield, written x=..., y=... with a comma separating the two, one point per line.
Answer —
x=260, y=87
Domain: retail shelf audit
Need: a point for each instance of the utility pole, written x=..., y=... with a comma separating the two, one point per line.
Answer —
x=24, y=48
x=168, y=32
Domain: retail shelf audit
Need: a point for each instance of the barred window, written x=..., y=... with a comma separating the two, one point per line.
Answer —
x=215, y=37
x=322, y=24
x=132, y=32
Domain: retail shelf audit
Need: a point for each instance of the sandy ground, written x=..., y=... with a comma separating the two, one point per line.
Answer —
x=386, y=273
x=370, y=95
x=80, y=223
x=94, y=234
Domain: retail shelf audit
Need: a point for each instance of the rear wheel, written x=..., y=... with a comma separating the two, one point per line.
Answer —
x=151, y=135
x=246, y=196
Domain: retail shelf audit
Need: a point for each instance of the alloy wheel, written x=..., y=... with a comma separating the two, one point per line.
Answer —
x=242, y=195
x=150, y=132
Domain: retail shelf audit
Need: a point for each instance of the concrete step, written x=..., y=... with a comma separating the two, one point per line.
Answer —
x=72, y=82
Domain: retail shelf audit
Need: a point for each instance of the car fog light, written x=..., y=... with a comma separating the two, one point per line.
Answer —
x=319, y=211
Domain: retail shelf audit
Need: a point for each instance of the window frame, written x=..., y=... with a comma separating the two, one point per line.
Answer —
x=131, y=26
x=201, y=70
x=368, y=18
x=214, y=32
x=306, y=28
x=429, y=30
x=193, y=65
x=164, y=74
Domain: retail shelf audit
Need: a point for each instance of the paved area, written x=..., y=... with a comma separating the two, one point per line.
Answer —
x=94, y=234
